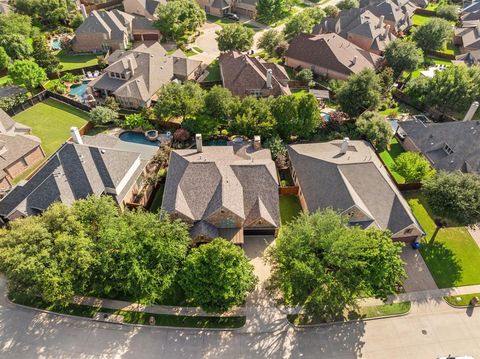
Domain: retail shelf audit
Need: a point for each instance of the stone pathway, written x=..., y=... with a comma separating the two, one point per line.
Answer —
x=475, y=233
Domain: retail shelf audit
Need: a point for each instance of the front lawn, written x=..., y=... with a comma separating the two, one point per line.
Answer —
x=389, y=156
x=461, y=300
x=451, y=254
x=222, y=21
x=50, y=121
x=76, y=61
x=289, y=208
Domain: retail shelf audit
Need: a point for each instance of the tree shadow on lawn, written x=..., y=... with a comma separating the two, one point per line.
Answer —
x=442, y=263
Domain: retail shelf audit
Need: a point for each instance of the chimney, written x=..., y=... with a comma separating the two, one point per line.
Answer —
x=269, y=78
x=471, y=111
x=198, y=142
x=130, y=65
x=84, y=11
x=257, y=143
x=344, y=147
x=354, y=61
x=76, y=135
x=387, y=30
x=380, y=21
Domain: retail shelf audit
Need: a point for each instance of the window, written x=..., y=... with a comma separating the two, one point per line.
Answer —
x=447, y=149
x=256, y=92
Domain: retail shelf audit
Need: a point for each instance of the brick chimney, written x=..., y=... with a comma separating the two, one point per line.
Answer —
x=344, y=146
x=257, y=143
x=269, y=78
x=76, y=137
x=199, y=142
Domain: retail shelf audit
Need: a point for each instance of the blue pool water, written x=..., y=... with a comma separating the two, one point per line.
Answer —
x=217, y=142
x=78, y=90
x=136, y=137
x=325, y=116
x=56, y=44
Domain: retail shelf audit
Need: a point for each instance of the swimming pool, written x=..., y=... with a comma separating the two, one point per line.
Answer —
x=217, y=142
x=56, y=44
x=326, y=116
x=78, y=90
x=136, y=137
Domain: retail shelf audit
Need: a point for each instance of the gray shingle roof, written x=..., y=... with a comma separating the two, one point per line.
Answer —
x=73, y=172
x=355, y=179
x=463, y=137
x=399, y=12
x=240, y=181
x=111, y=23
x=14, y=147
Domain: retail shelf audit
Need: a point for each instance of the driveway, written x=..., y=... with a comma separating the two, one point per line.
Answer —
x=208, y=43
x=418, y=275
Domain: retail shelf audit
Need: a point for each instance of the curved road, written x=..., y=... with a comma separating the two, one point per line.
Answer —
x=432, y=329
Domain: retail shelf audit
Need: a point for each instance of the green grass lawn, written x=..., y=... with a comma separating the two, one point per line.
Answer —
x=77, y=61
x=213, y=71
x=436, y=60
x=137, y=317
x=388, y=156
x=222, y=21
x=289, y=208
x=51, y=120
x=451, y=254
x=376, y=311
x=419, y=20
x=461, y=300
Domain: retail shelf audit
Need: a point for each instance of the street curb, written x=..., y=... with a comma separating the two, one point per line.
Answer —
x=119, y=324
x=306, y=326
x=459, y=306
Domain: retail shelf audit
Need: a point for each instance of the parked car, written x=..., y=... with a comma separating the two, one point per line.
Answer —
x=231, y=16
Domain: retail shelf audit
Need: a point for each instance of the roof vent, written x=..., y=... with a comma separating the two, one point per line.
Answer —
x=344, y=146
x=103, y=151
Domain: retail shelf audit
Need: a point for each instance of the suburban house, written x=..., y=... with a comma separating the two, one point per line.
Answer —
x=329, y=55
x=449, y=146
x=467, y=36
x=244, y=75
x=223, y=191
x=134, y=76
x=396, y=13
x=112, y=30
x=145, y=8
x=471, y=58
x=246, y=8
x=19, y=150
x=90, y=165
x=348, y=176
x=360, y=27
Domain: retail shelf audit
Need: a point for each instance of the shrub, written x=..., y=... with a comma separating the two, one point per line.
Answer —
x=136, y=120
x=101, y=115
x=181, y=135
x=448, y=12
x=304, y=75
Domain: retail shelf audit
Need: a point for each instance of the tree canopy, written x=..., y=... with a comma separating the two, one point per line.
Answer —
x=454, y=195
x=375, y=128
x=177, y=18
x=47, y=12
x=253, y=117
x=359, y=92
x=269, y=41
x=270, y=11
x=16, y=46
x=325, y=266
x=27, y=73
x=217, y=276
x=433, y=35
x=102, y=115
x=348, y=4
x=220, y=103
x=403, y=56
x=4, y=59
x=179, y=100
x=413, y=166
x=448, y=12
x=43, y=56
x=92, y=248
x=235, y=37
x=298, y=24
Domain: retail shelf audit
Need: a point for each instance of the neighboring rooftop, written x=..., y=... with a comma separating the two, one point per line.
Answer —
x=356, y=179
x=398, y=13
x=448, y=145
x=241, y=74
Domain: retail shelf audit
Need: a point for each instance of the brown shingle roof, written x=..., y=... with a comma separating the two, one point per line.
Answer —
x=332, y=52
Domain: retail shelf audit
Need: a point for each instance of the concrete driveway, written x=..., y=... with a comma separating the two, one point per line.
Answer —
x=419, y=277
x=208, y=43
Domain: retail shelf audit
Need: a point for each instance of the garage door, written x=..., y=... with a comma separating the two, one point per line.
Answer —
x=259, y=232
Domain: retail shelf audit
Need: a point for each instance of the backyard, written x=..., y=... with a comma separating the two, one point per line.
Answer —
x=213, y=71
x=388, y=156
x=50, y=121
x=450, y=252
x=289, y=208
x=72, y=62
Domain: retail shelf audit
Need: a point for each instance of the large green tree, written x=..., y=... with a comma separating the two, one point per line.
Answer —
x=413, y=166
x=253, y=118
x=269, y=41
x=178, y=18
x=102, y=115
x=270, y=11
x=325, y=266
x=4, y=59
x=375, y=129
x=220, y=103
x=47, y=12
x=16, y=46
x=454, y=195
x=27, y=73
x=348, y=4
x=359, y=92
x=448, y=12
x=433, y=35
x=235, y=37
x=43, y=56
x=179, y=100
x=298, y=24
x=217, y=276
x=14, y=23
x=403, y=56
